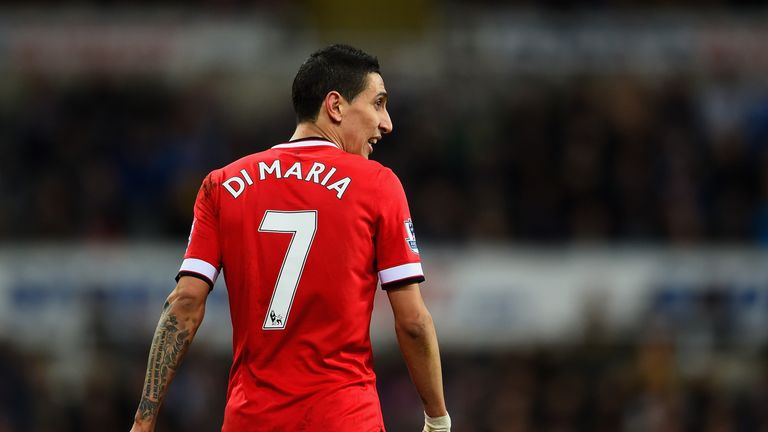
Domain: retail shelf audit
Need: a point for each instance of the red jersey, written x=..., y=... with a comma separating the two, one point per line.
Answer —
x=303, y=232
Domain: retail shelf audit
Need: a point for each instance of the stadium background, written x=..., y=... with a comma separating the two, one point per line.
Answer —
x=588, y=182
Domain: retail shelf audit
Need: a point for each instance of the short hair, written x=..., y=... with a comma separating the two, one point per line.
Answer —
x=339, y=67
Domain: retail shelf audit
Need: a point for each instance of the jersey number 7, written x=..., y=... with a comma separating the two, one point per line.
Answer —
x=302, y=224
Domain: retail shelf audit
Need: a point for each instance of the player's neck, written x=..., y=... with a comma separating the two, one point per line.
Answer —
x=312, y=130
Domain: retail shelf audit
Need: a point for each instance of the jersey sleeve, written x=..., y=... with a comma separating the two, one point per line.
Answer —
x=397, y=255
x=203, y=256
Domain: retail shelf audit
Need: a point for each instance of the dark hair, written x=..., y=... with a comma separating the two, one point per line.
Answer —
x=338, y=67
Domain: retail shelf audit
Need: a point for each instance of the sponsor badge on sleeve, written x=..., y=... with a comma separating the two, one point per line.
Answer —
x=411, y=236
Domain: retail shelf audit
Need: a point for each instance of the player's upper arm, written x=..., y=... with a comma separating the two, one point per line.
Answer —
x=202, y=258
x=408, y=308
x=397, y=255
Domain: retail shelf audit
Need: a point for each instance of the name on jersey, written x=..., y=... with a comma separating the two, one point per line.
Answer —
x=317, y=174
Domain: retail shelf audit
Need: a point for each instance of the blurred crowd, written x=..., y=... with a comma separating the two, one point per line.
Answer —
x=611, y=158
x=662, y=378
x=558, y=160
x=228, y=5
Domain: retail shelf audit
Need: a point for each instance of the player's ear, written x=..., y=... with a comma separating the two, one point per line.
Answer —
x=333, y=105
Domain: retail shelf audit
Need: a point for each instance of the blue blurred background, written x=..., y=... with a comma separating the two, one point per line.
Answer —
x=588, y=181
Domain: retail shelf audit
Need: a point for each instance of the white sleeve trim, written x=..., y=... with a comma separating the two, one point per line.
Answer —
x=200, y=267
x=400, y=272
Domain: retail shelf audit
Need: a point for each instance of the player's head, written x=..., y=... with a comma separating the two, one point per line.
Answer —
x=340, y=68
x=343, y=85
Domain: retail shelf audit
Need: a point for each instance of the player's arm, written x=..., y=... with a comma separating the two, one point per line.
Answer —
x=181, y=317
x=418, y=343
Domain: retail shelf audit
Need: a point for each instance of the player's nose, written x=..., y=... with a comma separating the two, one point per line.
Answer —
x=385, y=123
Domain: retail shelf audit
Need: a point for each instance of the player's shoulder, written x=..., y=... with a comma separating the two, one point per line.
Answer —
x=250, y=159
x=380, y=180
x=244, y=162
x=220, y=174
x=370, y=166
x=384, y=173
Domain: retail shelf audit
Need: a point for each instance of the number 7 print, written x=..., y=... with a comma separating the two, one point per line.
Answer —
x=302, y=224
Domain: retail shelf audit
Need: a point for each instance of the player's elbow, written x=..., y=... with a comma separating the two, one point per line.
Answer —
x=184, y=302
x=416, y=326
x=189, y=295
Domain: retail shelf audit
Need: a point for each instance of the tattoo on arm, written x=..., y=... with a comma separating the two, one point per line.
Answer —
x=169, y=345
x=147, y=408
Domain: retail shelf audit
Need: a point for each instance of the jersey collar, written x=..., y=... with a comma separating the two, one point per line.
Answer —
x=306, y=142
